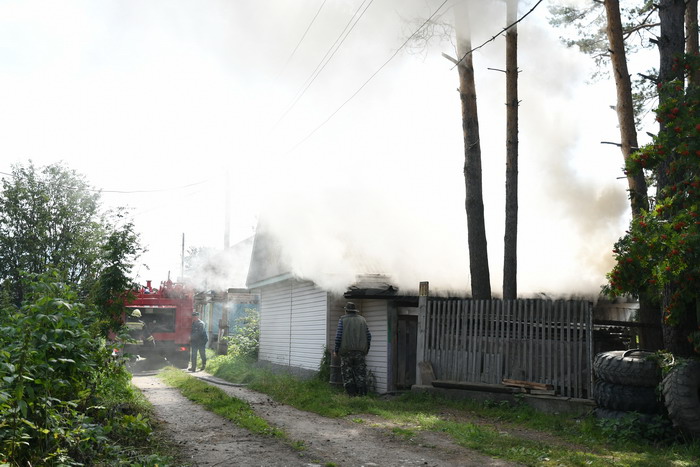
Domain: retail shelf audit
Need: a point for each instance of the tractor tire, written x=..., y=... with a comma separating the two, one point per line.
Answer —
x=627, y=367
x=681, y=391
x=625, y=398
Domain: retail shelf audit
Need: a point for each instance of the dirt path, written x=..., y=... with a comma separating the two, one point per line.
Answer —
x=208, y=439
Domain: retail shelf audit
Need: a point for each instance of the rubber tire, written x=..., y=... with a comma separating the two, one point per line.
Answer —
x=627, y=367
x=681, y=391
x=626, y=398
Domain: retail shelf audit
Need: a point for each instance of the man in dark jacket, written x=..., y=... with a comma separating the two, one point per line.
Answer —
x=352, y=341
x=198, y=342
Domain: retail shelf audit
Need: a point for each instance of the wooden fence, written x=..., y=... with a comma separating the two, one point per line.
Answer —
x=487, y=341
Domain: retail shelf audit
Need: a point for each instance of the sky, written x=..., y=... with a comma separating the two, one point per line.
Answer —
x=173, y=107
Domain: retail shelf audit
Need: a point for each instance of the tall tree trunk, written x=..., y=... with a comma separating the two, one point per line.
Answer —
x=474, y=203
x=649, y=307
x=625, y=108
x=510, y=240
x=671, y=45
x=691, y=34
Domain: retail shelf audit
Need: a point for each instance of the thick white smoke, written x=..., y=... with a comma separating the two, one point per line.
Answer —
x=380, y=188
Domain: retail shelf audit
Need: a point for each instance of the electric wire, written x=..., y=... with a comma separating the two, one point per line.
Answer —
x=99, y=190
x=330, y=53
x=284, y=67
x=352, y=96
x=458, y=62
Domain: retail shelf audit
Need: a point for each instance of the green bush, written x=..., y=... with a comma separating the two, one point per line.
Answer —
x=61, y=393
x=245, y=343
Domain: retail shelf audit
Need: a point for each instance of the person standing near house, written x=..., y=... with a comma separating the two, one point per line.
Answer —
x=198, y=342
x=352, y=341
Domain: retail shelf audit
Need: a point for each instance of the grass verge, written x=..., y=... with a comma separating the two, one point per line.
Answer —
x=516, y=433
x=217, y=401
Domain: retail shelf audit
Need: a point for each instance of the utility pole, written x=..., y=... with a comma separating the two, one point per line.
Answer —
x=227, y=213
x=510, y=240
x=182, y=259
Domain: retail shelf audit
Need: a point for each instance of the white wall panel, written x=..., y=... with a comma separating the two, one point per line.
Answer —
x=308, y=325
x=375, y=312
x=275, y=317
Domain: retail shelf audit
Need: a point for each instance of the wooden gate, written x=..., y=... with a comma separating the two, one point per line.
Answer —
x=486, y=341
x=406, y=337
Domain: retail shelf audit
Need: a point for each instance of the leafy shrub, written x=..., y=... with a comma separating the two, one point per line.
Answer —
x=58, y=382
x=635, y=427
x=245, y=343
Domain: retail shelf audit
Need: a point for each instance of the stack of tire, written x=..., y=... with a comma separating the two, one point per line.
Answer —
x=681, y=391
x=626, y=381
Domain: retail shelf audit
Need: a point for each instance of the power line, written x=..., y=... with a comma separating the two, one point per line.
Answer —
x=153, y=191
x=494, y=37
x=369, y=79
x=123, y=191
x=330, y=53
x=302, y=39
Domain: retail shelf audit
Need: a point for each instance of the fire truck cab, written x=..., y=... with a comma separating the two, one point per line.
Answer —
x=166, y=315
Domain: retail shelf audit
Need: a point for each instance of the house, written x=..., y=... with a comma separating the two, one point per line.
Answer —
x=298, y=319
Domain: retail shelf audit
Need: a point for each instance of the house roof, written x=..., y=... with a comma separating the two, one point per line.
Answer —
x=267, y=262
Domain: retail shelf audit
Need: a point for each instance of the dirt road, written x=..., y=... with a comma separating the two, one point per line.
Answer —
x=208, y=439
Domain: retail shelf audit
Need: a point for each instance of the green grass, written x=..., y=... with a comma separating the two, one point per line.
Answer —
x=217, y=401
x=484, y=427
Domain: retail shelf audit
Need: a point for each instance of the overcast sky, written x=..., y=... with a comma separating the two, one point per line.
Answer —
x=164, y=101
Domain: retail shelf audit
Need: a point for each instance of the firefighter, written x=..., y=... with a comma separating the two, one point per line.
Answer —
x=198, y=342
x=135, y=325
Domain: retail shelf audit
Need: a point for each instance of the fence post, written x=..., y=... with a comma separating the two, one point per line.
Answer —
x=423, y=290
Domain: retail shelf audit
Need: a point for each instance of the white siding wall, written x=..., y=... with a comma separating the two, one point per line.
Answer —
x=309, y=310
x=293, y=324
x=275, y=306
x=375, y=312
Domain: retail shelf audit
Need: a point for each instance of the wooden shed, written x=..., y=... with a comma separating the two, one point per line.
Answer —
x=298, y=319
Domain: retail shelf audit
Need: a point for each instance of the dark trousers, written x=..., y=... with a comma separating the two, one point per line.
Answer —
x=354, y=370
x=201, y=348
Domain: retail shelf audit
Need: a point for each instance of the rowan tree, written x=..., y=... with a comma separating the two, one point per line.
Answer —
x=661, y=251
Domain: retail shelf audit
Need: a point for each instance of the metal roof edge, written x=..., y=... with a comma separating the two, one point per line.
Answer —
x=270, y=281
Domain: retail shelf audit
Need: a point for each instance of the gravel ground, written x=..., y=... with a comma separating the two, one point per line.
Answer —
x=207, y=439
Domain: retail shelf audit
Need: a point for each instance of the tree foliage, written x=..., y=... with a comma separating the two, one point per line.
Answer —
x=585, y=28
x=50, y=217
x=661, y=251
x=57, y=382
x=114, y=286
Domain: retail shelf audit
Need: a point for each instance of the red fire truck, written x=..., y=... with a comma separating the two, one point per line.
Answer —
x=166, y=313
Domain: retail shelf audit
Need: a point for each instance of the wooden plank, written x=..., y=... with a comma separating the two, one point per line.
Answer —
x=455, y=339
x=472, y=341
x=402, y=345
x=541, y=340
x=480, y=340
x=527, y=384
x=471, y=386
x=550, y=338
x=530, y=324
x=567, y=368
x=578, y=355
x=507, y=324
x=465, y=340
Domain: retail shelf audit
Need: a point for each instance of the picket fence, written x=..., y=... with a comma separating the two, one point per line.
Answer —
x=487, y=341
